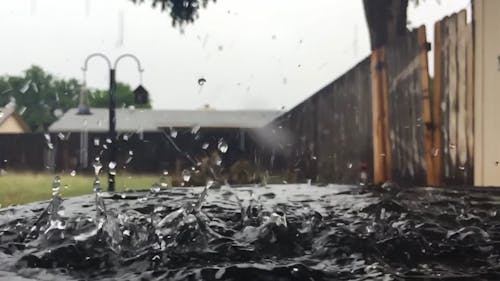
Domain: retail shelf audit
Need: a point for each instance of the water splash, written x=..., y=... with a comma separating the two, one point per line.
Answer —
x=186, y=175
x=222, y=146
x=97, y=166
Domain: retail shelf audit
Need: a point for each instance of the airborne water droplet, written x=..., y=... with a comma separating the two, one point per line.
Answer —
x=73, y=173
x=56, y=184
x=186, y=175
x=25, y=87
x=222, y=146
x=205, y=145
x=97, y=166
x=202, y=81
x=195, y=129
x=173, y=133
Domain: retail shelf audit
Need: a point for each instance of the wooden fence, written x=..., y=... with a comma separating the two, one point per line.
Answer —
x=453, y=101
x=401, y=111
x=329, y=134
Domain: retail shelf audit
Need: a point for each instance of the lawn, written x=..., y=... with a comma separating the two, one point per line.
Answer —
x=20, y=188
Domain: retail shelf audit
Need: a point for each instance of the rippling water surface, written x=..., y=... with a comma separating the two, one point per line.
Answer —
x=282, y=232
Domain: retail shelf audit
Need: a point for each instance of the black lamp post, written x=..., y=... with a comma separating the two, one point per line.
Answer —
x=141, y=96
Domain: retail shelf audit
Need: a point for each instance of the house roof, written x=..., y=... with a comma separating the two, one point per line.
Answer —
x=148, y=120
x=10, y=111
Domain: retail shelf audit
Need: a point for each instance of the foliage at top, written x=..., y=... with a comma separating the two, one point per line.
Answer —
x=181, y=11
x=42, y=98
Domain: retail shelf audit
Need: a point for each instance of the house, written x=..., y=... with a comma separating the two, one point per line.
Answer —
x=487, y=98
x=11, y=122
x=152, y=140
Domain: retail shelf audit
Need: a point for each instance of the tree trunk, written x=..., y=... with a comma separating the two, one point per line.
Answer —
x=386, y=20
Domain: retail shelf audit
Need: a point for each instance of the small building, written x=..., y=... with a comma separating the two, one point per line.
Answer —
x=152, y=140
x=487, y=98
x=11, y=122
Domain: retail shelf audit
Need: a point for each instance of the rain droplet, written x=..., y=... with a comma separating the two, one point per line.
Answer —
x=108, y=140
x=173, y=133
x=112, y=165
x=186, y=175
x=125, y=137
x=202, y=81
x=25, y=87
x=195, y=129
x=56, y=185
x=23, y=109
x=35, y=87
x=97, y=185
x=131, y=152
x=222, y=146
x=497, y=163
x=205, y=145
x=97, y=166
x=73, y=173
x=155, y=188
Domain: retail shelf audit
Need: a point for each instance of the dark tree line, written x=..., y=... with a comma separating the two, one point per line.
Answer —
x=41, y=98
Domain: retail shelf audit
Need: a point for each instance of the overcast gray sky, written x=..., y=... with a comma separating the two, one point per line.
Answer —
x=251, y=57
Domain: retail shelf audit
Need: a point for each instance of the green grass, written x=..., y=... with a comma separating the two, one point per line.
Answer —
x=20, y=188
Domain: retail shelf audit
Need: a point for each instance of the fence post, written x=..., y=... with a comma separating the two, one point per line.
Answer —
x=380, y=121
x=426, y=108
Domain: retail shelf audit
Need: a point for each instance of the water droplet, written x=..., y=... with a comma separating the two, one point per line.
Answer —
x=349, y=165
x=56, y=185
x=61, y=136
x=73, y=173
x=220, y=48
x=125, y=137
x=186, y=175
x=497, y=163
x=195, y=129
x=112, y=165
x=155, y=188
x=173, y=133
x=202, y=81
x=97, y=186
x=222, y=146
x=97, y=166
x=131, y=152
x=25, y=87
x=22, y=110
x=205, y=145
x=108, y=140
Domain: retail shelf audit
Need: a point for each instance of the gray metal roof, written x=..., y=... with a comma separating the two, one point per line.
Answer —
x=148, y=120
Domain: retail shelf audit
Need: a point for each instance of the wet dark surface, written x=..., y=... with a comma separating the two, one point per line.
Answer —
x=284, y=232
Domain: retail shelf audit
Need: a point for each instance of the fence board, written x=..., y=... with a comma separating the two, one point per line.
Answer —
x=454, y=92
x=405, y=96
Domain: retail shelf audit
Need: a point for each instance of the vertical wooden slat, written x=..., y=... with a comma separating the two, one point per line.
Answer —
x=462, y=175
x=437, y=151
x=381, y=145
x=470, y=103
x=426, y=109
x=452, y=95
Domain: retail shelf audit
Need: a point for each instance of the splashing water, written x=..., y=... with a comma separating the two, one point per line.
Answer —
x=97, y=166
x=164, y=180
x=186, y=175
x=222, y=146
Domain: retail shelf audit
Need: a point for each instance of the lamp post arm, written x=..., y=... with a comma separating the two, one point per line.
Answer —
x=139, y=66
x=85, y=65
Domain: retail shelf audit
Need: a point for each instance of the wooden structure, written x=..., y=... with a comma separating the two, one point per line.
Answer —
x=454, y=99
